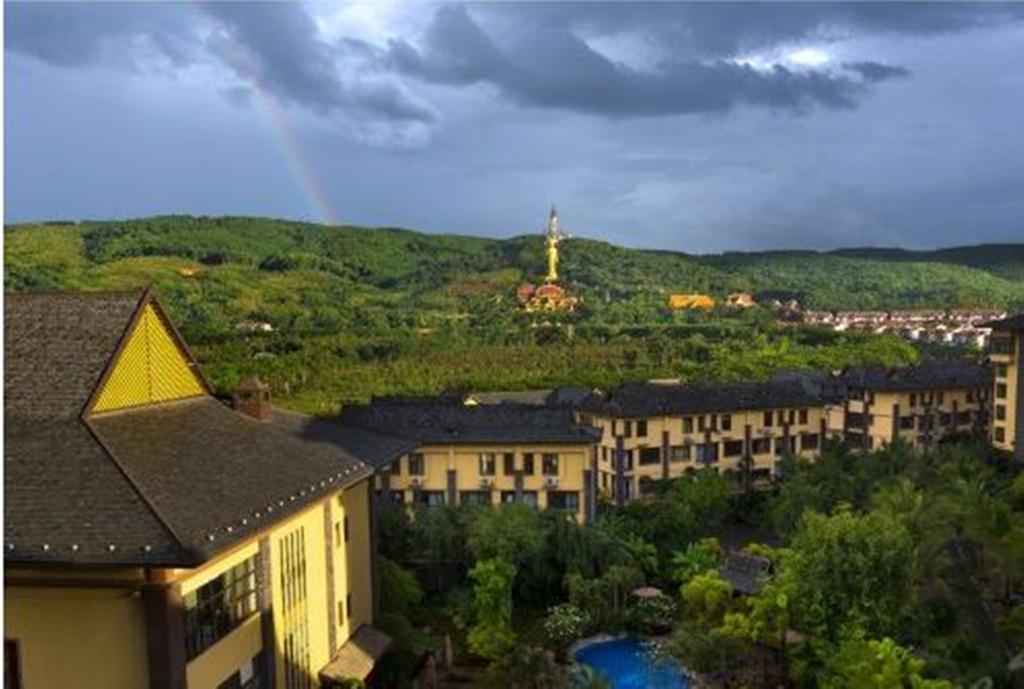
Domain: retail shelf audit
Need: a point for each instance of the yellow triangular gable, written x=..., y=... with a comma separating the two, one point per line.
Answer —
x=151, y=368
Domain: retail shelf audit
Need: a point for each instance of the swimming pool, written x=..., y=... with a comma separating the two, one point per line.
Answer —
x=626, y=663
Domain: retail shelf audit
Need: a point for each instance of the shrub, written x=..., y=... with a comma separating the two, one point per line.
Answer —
x=566, y=623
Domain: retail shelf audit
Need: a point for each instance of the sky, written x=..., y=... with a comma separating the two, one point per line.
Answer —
x=701, y=127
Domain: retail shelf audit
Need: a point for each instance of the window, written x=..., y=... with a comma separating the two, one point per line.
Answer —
x=700, y=423
x=726, y=422
x=232, y=682
x=416, y=464
x=803, y=417
x=295, y=623
x=615, y=427
x=252, y=673
x=707, y=453
x=1000, y=391
x=486, y=464
x=12, y=664
x=761, y=446
x=999, y=433
x=649, y=455
x=647, y=485
x=529, y=497
x=687, y=424
x=219, y=605
x=963, y=418
x=855, y=420
x=1002, y=345
x=913, y=399
x=1000, y=412
x=348, y=604
x=549, y=461
x=475, y=497
x=970, y=396
x=792, y=416
x=431, y=498
x=568, y=500
x=528, y=464
x=397, y=497
x=1001, y=370
x=809, y=441
x=785, y=445
x=906, y=423
x=345, y=528
x=629, y=429
x=627, y=460
x=396, y=467
x=509, y=464
x=604, y=453
x=713, y=422
x=945, y=419
x=641, y=429
x=768, y=419
x=732, y=448
x=938, y=397
x=679, y=453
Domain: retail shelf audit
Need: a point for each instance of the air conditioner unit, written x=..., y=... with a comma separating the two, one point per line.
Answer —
x=551, y=482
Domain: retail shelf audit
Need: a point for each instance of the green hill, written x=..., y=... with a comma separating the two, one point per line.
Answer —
x=307, y=277
x=358, y=311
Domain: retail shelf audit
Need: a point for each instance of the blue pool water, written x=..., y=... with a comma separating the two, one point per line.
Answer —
x=626, y=664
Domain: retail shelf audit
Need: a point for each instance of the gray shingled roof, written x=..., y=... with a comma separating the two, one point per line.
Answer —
x=205, y=468
x=1011, y=323
x=146, y=486
x=654, y=399
x=444, y=423
x=379, y=449
x=930, y=374
x=56, y=347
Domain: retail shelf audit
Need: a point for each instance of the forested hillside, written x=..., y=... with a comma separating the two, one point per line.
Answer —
x=357, y=310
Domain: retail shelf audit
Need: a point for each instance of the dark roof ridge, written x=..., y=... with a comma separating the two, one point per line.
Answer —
x=185, y=550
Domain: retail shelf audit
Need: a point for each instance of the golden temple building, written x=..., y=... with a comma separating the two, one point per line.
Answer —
x=549, y=296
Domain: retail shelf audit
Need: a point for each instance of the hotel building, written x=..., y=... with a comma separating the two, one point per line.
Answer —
x=660, y=431
x=1006, y=352
x=154, y=536
x=480, y=454
x=918, y=405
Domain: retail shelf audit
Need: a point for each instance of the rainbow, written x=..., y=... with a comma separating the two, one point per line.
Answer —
x=301, y=168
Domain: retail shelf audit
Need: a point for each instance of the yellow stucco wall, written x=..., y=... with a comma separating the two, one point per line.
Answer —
x=223, y=659
x=84, y=638
x=151, y=368
x=674, y=424
x=883, y=425
x=573, y=460
x=356, y=564
x=1010, y=402
x=351, y=572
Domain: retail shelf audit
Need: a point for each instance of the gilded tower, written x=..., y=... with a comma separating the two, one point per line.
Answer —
x=553, y=237
x=549, y=296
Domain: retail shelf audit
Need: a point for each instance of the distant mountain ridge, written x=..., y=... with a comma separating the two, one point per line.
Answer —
x=309, y=276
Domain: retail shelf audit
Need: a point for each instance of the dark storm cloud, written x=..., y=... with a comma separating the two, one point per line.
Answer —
x=74, y=34
x=272, y=46
x=275, y=44
x=724, y=29
x=556, y=68
x=876, y=71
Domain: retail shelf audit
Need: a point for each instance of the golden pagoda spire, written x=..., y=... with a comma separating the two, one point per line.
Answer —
x=554, y=235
